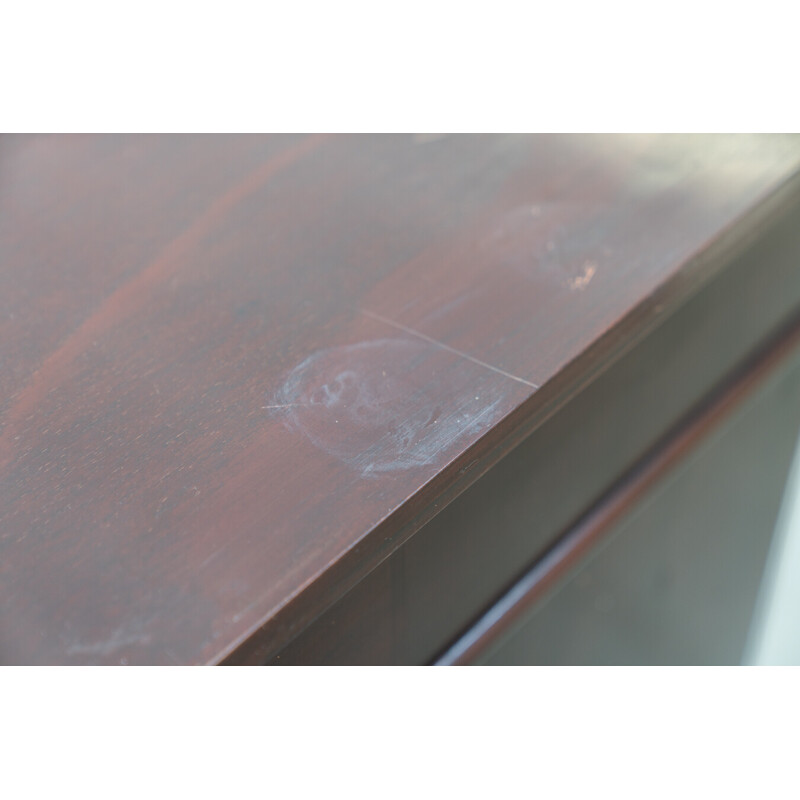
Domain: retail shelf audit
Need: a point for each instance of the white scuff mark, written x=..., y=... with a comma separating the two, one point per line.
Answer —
x=237, y=617
x=364, y=414
x=582, y=281
x=106, y=647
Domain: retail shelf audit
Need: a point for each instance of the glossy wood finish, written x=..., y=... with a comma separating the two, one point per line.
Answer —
x=236, y=373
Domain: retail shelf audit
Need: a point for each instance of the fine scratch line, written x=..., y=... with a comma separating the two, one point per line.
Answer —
x=292, y=405
x=400, y=327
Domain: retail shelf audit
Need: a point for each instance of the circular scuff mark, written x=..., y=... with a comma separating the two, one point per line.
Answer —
x=378, y=405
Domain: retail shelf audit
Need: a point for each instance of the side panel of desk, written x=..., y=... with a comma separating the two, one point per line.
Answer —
x=675, y=579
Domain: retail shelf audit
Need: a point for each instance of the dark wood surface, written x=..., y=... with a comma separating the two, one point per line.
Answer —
x=674, y=580
x=451, y=572
x=665, y=567
x=237, y=372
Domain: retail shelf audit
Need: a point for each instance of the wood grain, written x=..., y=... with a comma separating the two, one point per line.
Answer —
x=234, y=370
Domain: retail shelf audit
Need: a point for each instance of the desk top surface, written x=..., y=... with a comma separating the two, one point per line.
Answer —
x=236, y=371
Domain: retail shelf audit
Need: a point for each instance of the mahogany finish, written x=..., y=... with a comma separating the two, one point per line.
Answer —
x=238, y=372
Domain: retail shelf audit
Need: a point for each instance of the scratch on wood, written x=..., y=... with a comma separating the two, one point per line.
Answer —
x=411, y=331
x=290, y=405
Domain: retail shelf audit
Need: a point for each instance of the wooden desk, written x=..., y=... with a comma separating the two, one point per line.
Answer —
x=392, y=399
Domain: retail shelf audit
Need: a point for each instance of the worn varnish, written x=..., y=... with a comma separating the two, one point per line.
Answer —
x=236, y=372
